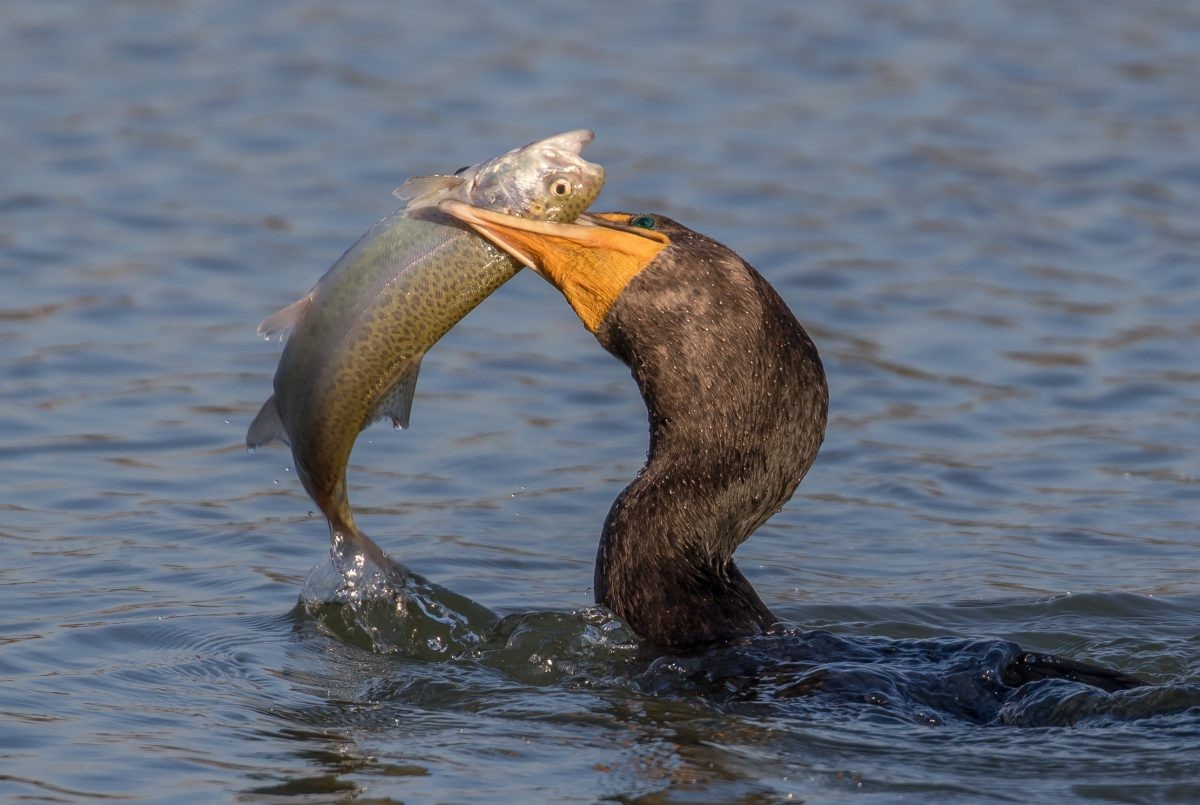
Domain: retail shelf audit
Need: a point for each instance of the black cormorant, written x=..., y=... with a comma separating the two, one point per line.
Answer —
x=737, y=401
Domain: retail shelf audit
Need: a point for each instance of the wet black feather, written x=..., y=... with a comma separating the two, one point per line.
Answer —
x=738, y=402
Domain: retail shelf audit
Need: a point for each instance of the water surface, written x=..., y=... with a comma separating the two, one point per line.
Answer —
x=984, y=212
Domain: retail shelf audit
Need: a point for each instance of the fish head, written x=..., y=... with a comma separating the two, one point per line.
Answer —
x=546, y=180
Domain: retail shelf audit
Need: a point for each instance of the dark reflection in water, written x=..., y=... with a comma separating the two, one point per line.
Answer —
x=931, y=681
x=985, y=213
x=692, y=721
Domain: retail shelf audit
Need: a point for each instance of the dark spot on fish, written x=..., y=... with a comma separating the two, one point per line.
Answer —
x=460, y=170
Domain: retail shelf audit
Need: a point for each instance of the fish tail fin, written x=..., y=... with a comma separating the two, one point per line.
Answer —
x=267, y=426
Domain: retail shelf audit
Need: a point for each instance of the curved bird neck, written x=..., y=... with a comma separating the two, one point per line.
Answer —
x=737, y=402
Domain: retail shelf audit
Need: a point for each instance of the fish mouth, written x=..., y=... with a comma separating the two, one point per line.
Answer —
x=572, y=141
x=564, y=152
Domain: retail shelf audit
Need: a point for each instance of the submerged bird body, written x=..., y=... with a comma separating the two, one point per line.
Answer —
x=737, y=401
x=357, y=338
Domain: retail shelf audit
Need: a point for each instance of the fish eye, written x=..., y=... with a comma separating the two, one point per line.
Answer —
x=560, y=186
x=642, y=222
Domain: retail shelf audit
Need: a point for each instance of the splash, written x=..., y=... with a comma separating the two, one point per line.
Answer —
x=389, y=609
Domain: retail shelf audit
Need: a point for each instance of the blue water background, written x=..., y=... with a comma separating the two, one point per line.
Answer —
x=985, y=212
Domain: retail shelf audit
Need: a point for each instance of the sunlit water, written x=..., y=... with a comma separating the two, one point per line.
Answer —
x=984, y=212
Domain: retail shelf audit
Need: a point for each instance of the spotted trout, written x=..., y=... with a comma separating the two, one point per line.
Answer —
x=355, y=341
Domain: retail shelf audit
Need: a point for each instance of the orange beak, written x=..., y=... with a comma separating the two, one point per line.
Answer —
x=590, y=263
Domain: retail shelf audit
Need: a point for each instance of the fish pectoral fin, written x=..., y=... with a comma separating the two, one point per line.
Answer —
x=425, y=191
x=283, y=320
x=267, y=427
x=396, y=403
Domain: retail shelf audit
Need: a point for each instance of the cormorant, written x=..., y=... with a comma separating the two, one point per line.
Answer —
x=737, y=401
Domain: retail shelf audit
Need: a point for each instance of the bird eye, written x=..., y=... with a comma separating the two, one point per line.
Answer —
x=560, y=187
x=642, y=222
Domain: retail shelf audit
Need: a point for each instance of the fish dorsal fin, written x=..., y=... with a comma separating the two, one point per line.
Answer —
x=396, y=403
x=267, y=427
x=283, y=320
x=425, y=191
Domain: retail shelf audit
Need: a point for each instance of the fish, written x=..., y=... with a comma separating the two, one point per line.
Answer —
x=354, y=343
